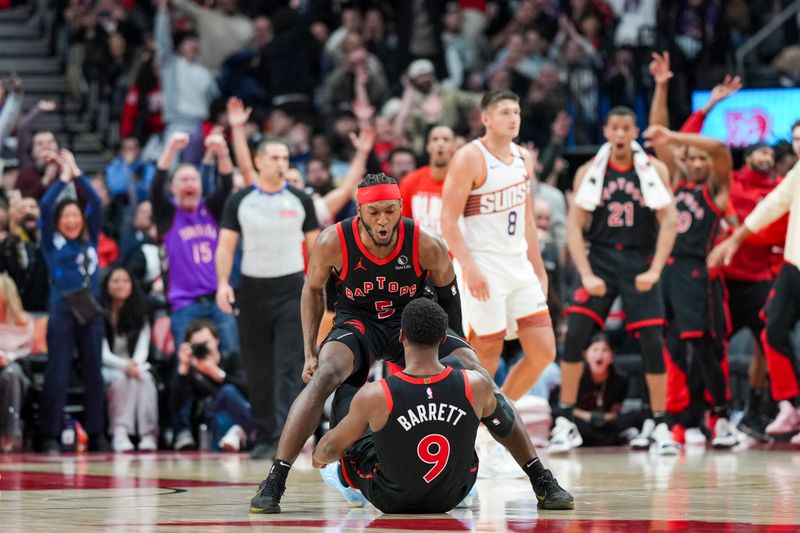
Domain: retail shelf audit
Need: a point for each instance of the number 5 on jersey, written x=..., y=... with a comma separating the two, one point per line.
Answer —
x=434, y=450
x=384, y=309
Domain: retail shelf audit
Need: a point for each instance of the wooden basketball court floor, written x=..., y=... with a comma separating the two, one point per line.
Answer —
x=615, y=490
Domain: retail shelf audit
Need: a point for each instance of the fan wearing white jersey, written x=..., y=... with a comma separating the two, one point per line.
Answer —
x=489, y=185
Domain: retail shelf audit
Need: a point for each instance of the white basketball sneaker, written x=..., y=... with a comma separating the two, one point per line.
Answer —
x=564, y=437
x=663, y=441
x=724, y=434
x=643, y=439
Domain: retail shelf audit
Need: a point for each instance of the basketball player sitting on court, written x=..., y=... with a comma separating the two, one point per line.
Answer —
x=382, y=262
x=407, y=442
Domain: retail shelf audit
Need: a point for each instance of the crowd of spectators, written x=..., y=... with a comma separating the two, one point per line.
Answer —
x=349, y=87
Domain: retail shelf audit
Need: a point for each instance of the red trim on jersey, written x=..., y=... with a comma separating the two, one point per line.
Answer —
x=401, y=233
x=467, y=386
x=415, y=380
x=388, y=394
x=618, y=168
x=588, y=312
x=343, y=246
x=344, y=474
x=711, y=203
x=415, y=247
x=645, y=323
x=692, y=335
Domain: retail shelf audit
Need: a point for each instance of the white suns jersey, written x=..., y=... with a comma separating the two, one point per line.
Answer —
x=494, y=216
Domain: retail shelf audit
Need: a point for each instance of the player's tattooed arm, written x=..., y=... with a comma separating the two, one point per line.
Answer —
x=325, y=255
x=368, y=410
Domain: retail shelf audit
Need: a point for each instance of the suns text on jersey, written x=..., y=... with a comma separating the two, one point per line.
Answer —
x=504, y=199
x=432, y=412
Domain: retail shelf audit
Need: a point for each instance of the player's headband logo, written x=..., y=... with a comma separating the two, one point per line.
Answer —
x=378, y=193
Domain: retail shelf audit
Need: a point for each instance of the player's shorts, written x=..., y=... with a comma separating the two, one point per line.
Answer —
x=619, y=268
x=687, y=296
x=371, y=339
x=720, y=317
x=360, y=467
x=516, y=300
x=746, y=299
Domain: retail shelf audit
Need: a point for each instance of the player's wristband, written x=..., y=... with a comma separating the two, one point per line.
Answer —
x=450, y=301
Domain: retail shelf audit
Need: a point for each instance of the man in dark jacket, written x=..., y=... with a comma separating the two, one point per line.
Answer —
x=21, y=255
x=217, y=381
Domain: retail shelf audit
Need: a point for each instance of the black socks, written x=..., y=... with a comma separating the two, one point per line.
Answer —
x=533, y=468
x=659, y=418
x=721, y=411
x=280, y=470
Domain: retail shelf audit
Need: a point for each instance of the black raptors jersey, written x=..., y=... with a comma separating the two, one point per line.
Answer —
x=378, y=288
x=698, y=220
x=426, y=450
x=623, y=218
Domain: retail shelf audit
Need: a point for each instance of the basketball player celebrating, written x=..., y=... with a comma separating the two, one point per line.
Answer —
x=421, y=422
x=489, y=184
x=624, y=198
x=421, y=190
x=782, y=309
x=701, y=199
x=381, y=262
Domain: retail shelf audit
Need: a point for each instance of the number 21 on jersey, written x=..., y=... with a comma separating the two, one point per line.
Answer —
x=434, y=450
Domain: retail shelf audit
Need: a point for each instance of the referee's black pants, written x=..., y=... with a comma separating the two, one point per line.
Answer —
x=272, y=349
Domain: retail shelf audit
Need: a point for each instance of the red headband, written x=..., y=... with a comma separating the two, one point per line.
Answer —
x=378, y=193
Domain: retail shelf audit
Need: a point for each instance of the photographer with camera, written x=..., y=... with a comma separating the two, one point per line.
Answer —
x=213, y=383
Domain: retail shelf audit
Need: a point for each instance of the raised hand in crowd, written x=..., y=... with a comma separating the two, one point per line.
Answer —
x=238, y=115
x=216, y=145
x=660, y=68
x=729, y=86
x=177, y=142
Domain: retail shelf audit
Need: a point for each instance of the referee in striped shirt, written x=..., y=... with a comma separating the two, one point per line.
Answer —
x=275, y=221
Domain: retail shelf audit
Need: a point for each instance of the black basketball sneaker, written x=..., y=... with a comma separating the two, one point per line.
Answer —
x=268, y=498
x=550, y=494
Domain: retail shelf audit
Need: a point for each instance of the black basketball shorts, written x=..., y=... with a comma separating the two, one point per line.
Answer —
x=687, y=297
x=619, y=268
x=370, y=340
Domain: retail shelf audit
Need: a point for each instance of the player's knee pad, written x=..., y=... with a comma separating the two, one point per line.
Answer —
x=579, y=331
x=501, y=421
x=651, y=341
